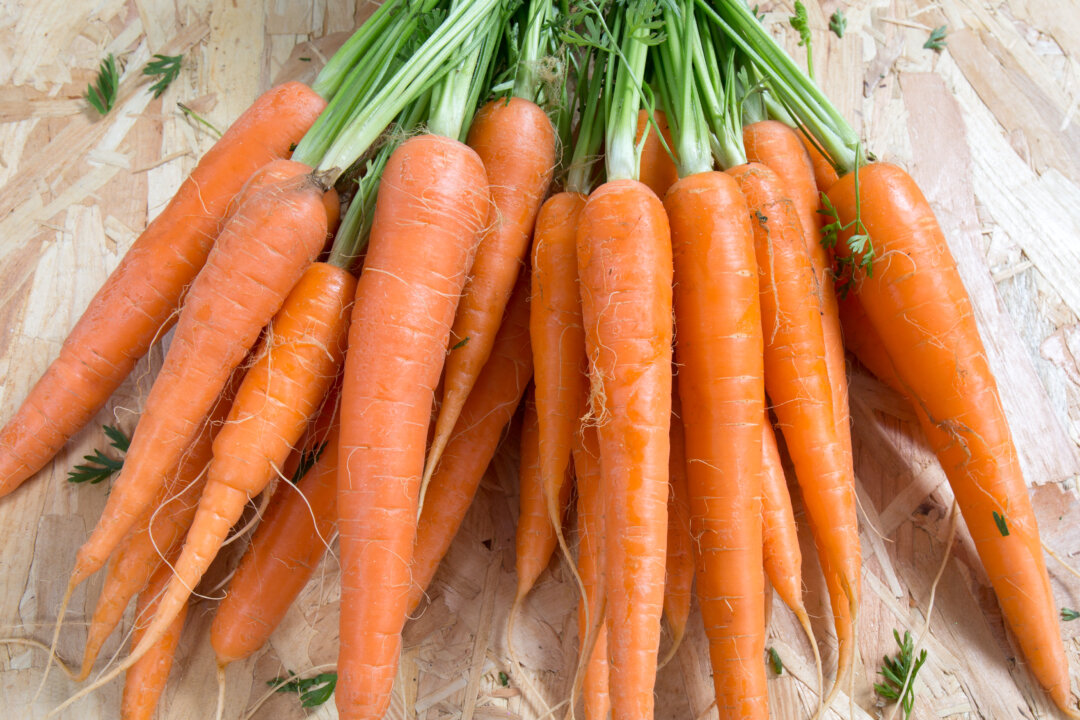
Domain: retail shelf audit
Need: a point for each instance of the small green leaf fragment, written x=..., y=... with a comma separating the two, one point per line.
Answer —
x=308, y=458
x=313, y=691
x=101, y=94
x=463, y=343
x=936, y=41
x=801, y=22
x=896, y=670
x=1068, y=614
x=775, y=661
x=304, y=59
x=504, y=679
x=1002, y=526
x=99, y=466
x=165, y=68
x=838, y=23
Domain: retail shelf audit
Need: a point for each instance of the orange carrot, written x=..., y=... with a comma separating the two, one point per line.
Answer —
x=516, y=142
x=146, y=679
x=558, y=340
x=623, y=226
x=480, y=426
x=433, y=202
x=256, y=261
x=138, y=301
x=918, y=306
x=284, y=552
x=590, y=521
x=721, y=382
x=824, y=173
x=680, y=550
x=658, y=170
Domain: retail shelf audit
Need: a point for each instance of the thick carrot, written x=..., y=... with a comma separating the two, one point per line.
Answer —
x=516, y=142
x=917, y=303
x=558, y=341
x=256, y=261
x=138, y=301
x=146, y=679
x=433, y=203
x=796, y=373
x=624, y=265
x=284, y=552
x=480, y=427
x=680, y=550
x=721, y=381
x=657, y=170
x=590, y=522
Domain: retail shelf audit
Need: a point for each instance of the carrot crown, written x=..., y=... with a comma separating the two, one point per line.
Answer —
x=535, y=45
x=590, y=126
x=718, y=84
x=678, y=88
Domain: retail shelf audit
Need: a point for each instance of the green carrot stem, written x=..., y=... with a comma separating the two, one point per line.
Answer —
x=534, y=46
x=356, y=48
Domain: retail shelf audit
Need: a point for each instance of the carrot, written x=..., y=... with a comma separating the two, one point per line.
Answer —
x=824, y=173
x=432, y=204
x=138, y=301
x=145, y=680
x=680, y=550
x=623, y=226
x=284, y=552
x=721, y=383
x=658, y=170
x=918, y=306
x=590, y=523
x=259, y=256
x=480, y=427
x=516, y=142
x=558, y=340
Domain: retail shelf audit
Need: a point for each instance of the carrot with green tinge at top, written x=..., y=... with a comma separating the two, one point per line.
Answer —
x=138, y=301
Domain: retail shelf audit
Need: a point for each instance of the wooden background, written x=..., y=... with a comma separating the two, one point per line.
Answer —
x=987, y=128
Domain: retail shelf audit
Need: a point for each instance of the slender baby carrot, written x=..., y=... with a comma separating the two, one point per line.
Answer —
x=624, y=265
x=917, y=303
x=680, y=550
x=480, y=427
x=258, y=258
x=139, y=299
x=432, y=204
x=146, y=679
x=721, y=381
x=658, y=170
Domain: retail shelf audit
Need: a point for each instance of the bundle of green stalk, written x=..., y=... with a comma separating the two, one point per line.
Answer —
x=473, y=279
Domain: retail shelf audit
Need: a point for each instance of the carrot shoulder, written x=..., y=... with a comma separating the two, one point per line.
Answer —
x=137, y=302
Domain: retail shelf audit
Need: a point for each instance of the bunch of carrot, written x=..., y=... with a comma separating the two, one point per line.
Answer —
x=659, y=315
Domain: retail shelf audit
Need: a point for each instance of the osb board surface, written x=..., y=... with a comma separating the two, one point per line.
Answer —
x=987, y=129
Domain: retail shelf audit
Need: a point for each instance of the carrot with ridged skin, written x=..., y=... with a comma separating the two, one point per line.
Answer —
x=258, y=258
x=558, y=341
x=433, y=202
x=657, y=169
x=680, y=550
x=590, y=523
x=917, y=303
x=284, y=552
x=146, y=679
x=719, y=351
x=624, y=261
x=516, y=142
x=480, y=427
x=137, y=302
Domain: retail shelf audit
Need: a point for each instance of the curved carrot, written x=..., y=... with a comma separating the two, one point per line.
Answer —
x=284, y=552
x=480, y=427
x=146, y=679
x=138, y=301
x=558, y=341
x=680, y=550
x=590, y=522
x=657, y=169
x=433, y=202
x=721, y=382
x=256, y=261
x=917, y=303
x=516, y=142
x=628, y=336
x=824, y=173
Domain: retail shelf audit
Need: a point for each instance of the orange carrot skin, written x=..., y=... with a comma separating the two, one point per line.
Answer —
x=433, y=202
x=917, y=303
x=781, y=553
x=558, y=339
x=721, y=381
x=516, y=142
x=824, y=173
x=625, y=268
x=476, y=437
x=657, y=169
x=590, y=524
x=680, y=550
x=137, y=302
x=146, y=679
x=284, y=552
x=258, y=258
x=796, y=373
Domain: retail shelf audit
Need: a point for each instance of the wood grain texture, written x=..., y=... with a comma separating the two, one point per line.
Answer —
x=988, y=129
